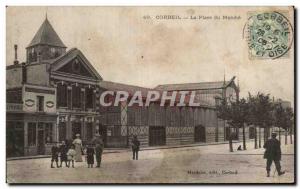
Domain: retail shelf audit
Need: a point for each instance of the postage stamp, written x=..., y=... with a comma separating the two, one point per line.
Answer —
x=269, y=35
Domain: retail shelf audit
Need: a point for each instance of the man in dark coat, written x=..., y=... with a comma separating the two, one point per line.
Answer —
x=135, y=148
x=273, y=153
x=54, y=154
x=90, y=155
x=99, y=146
x=63, y=154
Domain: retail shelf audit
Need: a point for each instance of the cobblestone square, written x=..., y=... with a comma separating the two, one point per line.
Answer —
x=198, y=164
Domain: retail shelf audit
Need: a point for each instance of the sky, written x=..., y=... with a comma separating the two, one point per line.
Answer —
x=124, y=46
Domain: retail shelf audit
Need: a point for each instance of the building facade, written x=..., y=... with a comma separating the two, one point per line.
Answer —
x=50, y=97
x=54, y=95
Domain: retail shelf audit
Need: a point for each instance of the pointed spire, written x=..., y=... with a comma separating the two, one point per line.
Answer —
x=46, y=35
x=46, y=13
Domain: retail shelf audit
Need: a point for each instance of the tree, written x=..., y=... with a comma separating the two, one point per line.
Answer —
x=279, y=117
x=288, y=122
x=252, y=116
x=260, y=115
x=235, y=113
x=223, y=113
x=240, y=112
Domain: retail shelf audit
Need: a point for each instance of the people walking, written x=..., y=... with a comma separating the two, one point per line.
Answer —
x=273, y=153
x=54, y=154
x=90, y=155
x=78, y=148
x=135, y=148
x=63, y=154
x=98, y=142
x=71, y=156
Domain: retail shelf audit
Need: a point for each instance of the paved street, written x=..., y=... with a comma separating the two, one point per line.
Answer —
x=200, y=164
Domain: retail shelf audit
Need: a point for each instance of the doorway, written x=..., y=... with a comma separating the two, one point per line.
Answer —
x=157, y=136
x=15, y=139
x=41, y=139
x=199, y=134
x=76, y=129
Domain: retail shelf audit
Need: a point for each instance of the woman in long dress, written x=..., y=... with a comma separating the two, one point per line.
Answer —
x=78, y=148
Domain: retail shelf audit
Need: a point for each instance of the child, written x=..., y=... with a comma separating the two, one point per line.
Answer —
x=85, y=152
x=90, y=155
x=54, y=153
x=63, y=154
x=71, y=155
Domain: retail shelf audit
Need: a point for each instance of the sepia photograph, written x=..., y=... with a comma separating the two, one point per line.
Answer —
x=150, y=95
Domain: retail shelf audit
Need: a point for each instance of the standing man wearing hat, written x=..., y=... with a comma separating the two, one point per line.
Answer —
x=98, y=142
x=273, y=153
x=135, y=148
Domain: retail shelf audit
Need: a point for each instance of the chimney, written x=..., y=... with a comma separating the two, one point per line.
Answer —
x=16, y=55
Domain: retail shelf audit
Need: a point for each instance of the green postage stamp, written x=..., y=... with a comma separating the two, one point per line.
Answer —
x=269, y=35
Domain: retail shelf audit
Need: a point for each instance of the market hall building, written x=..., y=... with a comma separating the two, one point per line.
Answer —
x=167, y=125
x=55, y=95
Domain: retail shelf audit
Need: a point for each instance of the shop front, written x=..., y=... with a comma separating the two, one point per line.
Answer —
x=29, y=134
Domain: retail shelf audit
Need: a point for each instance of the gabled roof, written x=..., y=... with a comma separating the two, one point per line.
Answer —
x=131, y=89
x=195, y=86
x=46, y=35
x=69, y=56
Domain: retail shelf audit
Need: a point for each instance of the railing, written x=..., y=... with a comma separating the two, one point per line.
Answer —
x=14, y=107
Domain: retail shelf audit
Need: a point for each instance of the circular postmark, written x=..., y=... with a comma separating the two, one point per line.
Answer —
x=269, y=35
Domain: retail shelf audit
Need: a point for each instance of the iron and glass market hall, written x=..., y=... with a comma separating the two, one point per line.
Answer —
x=55, y=94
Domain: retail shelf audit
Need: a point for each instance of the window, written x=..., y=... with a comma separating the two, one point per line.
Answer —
x=57, y=54
x=32, y=55
x=89, y=131
x=89, y=98
x=62, y=95
x=62, y=131
x=14, y=96
x=48, y=133
x=53, y=50
x=31, y=134
x=76, y=97
x=40, y=103
x=114, y=130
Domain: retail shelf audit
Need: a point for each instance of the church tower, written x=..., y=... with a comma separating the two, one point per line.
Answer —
x=45, y=45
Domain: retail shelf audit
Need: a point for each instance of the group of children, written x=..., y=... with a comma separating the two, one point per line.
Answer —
x=67, y=155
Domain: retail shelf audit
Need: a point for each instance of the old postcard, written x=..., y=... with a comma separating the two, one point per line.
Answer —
x=150, y=95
